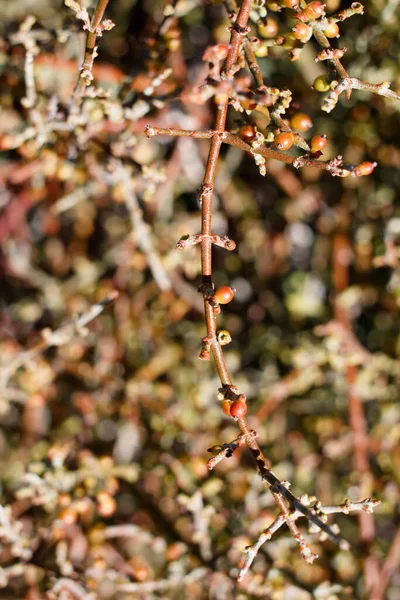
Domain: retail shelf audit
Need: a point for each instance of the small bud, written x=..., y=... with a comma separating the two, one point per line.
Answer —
x=224, y=337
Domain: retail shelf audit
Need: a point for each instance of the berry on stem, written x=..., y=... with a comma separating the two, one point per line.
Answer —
x=318, y=143
x=314, y=10
x=291, y=3
x=238, y=409
x=321, y=84
x=301, y=122
x=283, y=141
x=247, y=133
x=268, y=28
x=224, y=294
x=332, y=31
x=366, y=168
x=302, y=32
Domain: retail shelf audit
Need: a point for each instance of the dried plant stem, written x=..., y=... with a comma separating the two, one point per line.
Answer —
x=324, y=43
x=141, y=231
x=365, y=506
x=228, y=138
x=163, y=584
x=85, y=74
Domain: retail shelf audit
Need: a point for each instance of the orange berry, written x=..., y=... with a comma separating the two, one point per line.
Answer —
x=268, y=28
x=314, y=10
x=302, y=32
x=291, y=3
x=247, y=133
x=366, y=168
x=301, y=122
x=332, y=31
x=224, y=294
x=238, y=409
x=283, y=141
x=318, y=143
x=226, y=407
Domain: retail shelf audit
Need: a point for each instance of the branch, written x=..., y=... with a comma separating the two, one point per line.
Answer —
x=95, y=27
x=334, y=166
x=141, y=230
x=366, y=505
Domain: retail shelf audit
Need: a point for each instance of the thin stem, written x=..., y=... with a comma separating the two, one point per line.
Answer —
x=85, y=75
x=305, y=160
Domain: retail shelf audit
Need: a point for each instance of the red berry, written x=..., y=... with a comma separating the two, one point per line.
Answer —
x=224, y=294
x=302, y=32
x=283, y=141
x=314, y=10
x=318, y=143
x=332, y=31
x=301, y=122
x=238, y=409
x=247, y=133
x=366, y=168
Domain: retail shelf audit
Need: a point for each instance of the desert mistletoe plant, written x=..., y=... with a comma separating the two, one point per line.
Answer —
x=104, y=492
x=225, y=62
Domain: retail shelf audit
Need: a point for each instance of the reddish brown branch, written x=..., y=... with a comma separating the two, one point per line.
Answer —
x=334, y=166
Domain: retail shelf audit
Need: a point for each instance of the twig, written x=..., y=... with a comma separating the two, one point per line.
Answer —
x=163, y=584
x=141, y=230
x=95, y=27
x=334, y=166
x=366, y=505
x=352, y=83
x=73, y=587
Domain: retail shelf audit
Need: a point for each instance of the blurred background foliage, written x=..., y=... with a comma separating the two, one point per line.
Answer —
x=111, y=429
